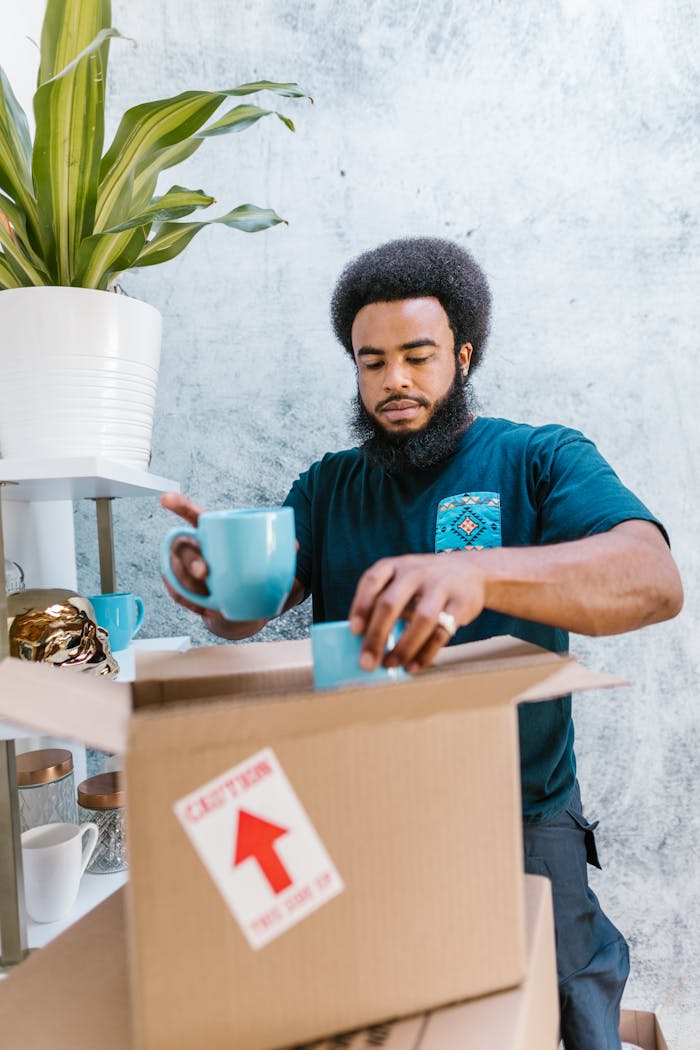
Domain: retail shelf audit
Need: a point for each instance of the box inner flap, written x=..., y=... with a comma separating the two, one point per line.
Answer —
x=258, y=720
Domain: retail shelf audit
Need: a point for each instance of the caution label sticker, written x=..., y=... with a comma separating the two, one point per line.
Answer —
x=258, y=844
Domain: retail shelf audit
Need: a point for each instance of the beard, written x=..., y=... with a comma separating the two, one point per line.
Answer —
x=418, y=449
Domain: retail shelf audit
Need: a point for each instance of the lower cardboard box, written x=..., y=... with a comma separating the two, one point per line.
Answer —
x=394, y=883
x=641, y=1028
x=81, y=982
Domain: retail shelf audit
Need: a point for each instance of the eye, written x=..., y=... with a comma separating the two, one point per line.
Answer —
x=417, y=360
x=372, y=366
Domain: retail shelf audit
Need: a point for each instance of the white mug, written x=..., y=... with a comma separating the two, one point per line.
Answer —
x=54, y=858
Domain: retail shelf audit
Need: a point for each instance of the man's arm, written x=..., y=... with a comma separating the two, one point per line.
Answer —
x=191, y=570
x=604, y=584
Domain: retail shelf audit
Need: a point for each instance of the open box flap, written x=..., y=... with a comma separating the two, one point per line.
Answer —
x=572, y=678
x=286, y=667
x=642, y=1028
x=97, y=712
x=255, y=719
x=284, y=657
x=68, y=704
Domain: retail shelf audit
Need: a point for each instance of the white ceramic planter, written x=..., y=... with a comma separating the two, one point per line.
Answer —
x=78, y=374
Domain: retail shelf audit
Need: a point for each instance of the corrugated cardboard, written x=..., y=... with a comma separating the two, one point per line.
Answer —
x=413, y=788
x=524, y=1018
x=642, y=1028
x=80, y=979
x=74, y=993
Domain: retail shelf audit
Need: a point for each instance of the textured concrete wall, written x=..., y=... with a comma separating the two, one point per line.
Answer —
x=559, y=142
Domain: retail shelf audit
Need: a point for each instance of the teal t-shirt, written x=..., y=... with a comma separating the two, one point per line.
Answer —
x=506, y=484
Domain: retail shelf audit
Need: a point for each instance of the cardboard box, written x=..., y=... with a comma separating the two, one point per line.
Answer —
x=642, y=1028
x=524, y=1018
x=412, y=790
x=81, y=981
x=74, y=993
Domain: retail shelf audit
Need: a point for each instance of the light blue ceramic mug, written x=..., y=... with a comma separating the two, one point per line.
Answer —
x=336, y=656
x=121, y=615
x=251, y=555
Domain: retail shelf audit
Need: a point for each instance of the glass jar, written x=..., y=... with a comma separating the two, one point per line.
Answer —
x=46, y=788
x=101, y=801
x=14, y=577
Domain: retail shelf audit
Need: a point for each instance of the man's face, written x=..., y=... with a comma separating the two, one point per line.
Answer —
x=405, y=357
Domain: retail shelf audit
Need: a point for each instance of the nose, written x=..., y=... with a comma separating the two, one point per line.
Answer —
x=396, y=376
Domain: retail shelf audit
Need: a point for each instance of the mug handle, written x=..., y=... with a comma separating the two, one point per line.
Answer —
x=205, y=600
x=139, y=613
x=92, y=832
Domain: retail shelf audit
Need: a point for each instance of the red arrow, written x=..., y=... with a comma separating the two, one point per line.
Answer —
x=256, y=838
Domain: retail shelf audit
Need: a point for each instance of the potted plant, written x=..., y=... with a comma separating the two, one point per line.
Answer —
x=79, y=364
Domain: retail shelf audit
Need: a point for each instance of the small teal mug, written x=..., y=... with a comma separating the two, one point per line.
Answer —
x=121, y=615
x=251, y=555
x=336, y=656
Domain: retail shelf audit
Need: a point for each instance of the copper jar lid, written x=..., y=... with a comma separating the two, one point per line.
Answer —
x=43, y=767
x=104, y=791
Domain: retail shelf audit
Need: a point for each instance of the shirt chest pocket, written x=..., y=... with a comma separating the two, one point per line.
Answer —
x=469, y=521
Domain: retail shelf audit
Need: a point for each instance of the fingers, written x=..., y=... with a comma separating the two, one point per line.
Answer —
x=177, y=597
x=401, y=593
x=422, y=589
x=418, y=634
x=188, y=564
x=424, y=657
x=371, y=584
x=182, y=506
x=186, y=558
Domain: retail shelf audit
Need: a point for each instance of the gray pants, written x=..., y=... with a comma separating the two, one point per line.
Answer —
x=592, y=955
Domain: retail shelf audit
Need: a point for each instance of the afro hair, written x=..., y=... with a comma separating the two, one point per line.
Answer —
x=410, y=268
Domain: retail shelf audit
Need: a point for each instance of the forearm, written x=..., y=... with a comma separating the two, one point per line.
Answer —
x=606, y=584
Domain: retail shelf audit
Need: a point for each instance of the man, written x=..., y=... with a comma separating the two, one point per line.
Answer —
x=470, y=527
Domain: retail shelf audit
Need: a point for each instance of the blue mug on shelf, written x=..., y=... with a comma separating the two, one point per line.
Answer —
x=251, y=556
x=336, y=656
x=121, y=615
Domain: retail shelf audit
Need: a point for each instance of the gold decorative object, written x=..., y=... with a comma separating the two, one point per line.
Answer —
x=58, y=627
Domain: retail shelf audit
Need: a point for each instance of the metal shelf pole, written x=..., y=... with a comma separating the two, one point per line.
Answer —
x=13, y=922
x=105, y=545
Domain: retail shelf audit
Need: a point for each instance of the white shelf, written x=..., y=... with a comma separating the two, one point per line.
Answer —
x=93, y=890
x=80, y=477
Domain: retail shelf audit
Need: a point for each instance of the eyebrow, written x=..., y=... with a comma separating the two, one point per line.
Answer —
x=414, y=345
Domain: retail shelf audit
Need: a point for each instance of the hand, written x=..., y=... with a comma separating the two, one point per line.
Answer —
x=191, y=569
x=189, y=566
x=186, y=558
x=417, y=588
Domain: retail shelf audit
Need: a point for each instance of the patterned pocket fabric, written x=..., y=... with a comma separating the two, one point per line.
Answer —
x=470, y=521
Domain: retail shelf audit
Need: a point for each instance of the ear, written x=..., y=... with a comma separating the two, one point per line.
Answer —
x=464, y=357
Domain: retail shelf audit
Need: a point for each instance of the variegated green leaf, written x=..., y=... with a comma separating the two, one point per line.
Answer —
x=67, y=31
x=139, y=186
x=153, y=127
x=144, y=130
x=8, y=278
x=286, y=90
x=174, y=204
x=18, y=220
x=239, y=119
x=16, y=257
x=16, y=154
x=106, y=254
x=69, y=112
x=173, y=237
